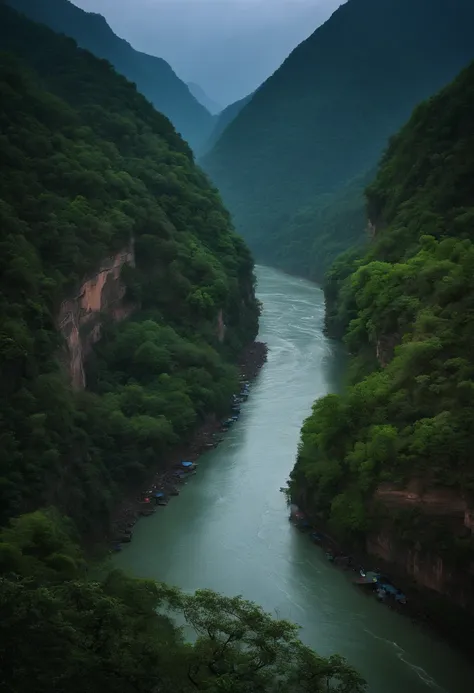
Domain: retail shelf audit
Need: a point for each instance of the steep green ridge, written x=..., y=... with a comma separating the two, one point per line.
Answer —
x=62, y=630
x=153, y=76
x=87, y=164
x=407, y=310
x=224, y=118
x=324, y=117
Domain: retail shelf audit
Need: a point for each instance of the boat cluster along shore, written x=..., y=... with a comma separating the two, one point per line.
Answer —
x=182, y=464
x=373, y=581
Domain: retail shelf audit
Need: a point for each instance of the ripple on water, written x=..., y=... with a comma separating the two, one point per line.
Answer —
x=229, y=530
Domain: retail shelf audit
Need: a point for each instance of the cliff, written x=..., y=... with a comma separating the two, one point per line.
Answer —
x=388, y=463
x=104, y=216
x=293, y=164
x=80, y=317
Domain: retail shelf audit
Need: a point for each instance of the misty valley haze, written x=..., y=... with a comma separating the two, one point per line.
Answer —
x=227, y=47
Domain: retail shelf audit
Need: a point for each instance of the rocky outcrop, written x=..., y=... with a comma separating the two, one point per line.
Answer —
x=220, y=326
x=80, y=316
x=385, y=348
x=424, y=567
x=422, y=563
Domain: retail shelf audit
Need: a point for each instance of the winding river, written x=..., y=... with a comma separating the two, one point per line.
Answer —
x=229, y=528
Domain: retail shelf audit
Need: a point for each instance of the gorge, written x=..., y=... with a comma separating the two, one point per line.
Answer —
x=229, y=527
x=127, y=299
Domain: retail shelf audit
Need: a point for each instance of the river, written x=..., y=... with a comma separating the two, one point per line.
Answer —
x=229, y=528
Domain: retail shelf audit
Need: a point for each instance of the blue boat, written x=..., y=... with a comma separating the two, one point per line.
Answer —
x=316, y=537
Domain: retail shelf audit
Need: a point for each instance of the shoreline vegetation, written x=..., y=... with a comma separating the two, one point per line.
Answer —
x=164, y=479
x=387, y=463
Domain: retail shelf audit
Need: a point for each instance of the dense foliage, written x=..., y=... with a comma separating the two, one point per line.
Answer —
x=88, y=165
x=153, y=76
x=288, y=164
x=407, y=310
x=67, y=631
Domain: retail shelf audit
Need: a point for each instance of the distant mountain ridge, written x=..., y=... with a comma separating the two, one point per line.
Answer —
x=224, y=119
x=325, y=116
x=198, y=92
x=153, y=76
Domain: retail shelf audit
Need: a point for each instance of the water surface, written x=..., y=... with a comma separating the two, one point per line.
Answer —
x=229, y=528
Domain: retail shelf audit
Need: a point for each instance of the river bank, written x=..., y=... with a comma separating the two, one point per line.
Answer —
x=164, y=480
x=230, y=532
x=425, y=608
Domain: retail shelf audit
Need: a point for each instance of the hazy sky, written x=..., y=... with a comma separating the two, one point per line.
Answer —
x=228, y=47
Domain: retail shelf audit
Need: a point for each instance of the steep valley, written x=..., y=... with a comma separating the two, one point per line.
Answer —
x=387, y=464
x=128, y=297
x=294, y=162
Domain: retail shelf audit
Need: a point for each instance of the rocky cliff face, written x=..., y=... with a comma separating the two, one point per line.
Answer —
x=80, y=316
x=426, y=567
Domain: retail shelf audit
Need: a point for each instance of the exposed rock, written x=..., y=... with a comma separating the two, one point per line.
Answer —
x=220, y=326
x=80, y=316
x=385, y=348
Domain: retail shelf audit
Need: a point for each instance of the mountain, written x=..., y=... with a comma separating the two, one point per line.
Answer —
x=119, y=271
x=203, y=98
x=153, y=76
x=325, y=116
x=389, y=462
x=224, y=118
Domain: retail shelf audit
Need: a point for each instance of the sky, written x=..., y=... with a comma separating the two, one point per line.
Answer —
x=228, y=47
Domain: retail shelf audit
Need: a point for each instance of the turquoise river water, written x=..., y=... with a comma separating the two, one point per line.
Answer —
x=229, y=530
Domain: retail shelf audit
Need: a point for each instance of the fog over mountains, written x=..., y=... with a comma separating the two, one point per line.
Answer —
x=227, y=47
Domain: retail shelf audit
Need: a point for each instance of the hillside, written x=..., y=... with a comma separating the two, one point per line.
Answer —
x=199, y=94
x=153, y=76
x=104, y=216
x=389, y=462
x=224, y=118
x=324, y=117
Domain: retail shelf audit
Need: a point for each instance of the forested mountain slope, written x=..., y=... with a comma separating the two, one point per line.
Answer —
x=153, y=76
x=91, y=171
x=324, y=117
x=390, y=461
x=203, y=98
x=224, y=118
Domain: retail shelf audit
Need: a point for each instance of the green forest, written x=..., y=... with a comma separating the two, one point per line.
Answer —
x=154, y=77
x=88, y=166
x=66, y=629
x=293, y=164
x=405, y=308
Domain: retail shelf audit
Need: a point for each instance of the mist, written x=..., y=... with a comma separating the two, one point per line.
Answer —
x=227, y=47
